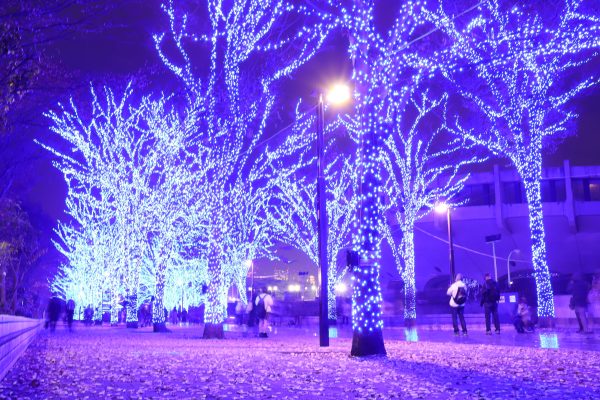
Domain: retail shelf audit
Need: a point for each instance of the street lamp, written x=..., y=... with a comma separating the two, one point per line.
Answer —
x=445, y=208
x=516, y=251
x=338, y=94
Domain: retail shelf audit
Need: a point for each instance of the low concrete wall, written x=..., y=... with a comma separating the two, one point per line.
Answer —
x=15, y=335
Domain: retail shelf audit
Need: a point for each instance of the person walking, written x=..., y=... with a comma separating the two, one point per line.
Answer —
x=580, y=288
x=70, y=310
x=458, y=297
x=54, y=308
x=489, y=300
x=263, y=305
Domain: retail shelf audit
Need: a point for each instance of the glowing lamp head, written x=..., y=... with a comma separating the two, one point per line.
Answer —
x=441, y=208
x=339, y=94
x=341, y=288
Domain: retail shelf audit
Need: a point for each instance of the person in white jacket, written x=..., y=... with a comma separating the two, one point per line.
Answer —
x=458, y=296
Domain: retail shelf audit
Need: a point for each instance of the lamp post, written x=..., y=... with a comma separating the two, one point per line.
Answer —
x=493, y=239
x=516, y=251
x=322, y=229
x=337, y=95
x=445, y=208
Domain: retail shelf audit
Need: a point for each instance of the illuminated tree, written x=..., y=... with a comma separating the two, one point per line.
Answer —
x=247, y=47
x=90, y=248
x=422, y=162
x=128, y=168
x=295, y=191
x=510, y=62
x=383, y=65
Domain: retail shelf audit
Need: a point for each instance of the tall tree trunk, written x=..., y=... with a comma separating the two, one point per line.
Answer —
x=159, y=322
x=114, y=311
x=332, y=278
x=214, y=311
x=132, y=318
x=367, y=322
x=331, y=301
x=132, y=306
x=408, y=276
x=545, y=298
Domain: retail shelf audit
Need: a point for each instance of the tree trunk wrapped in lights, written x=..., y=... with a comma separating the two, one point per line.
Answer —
x=380, y=62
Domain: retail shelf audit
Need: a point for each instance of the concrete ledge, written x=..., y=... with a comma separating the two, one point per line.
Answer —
x=16, y=333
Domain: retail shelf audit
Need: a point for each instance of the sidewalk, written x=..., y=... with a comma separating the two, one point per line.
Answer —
x=120, y=363
x=564, y=337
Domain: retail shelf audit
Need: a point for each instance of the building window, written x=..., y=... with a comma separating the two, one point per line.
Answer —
x=594, y=187
x=513, y=193
x=553, y=190
x=477, y=195
x=586, y=189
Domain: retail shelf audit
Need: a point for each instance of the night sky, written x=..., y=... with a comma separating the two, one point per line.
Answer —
x=119, y=47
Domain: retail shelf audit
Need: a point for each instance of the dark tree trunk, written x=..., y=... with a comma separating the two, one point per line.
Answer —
x=367, y=344
x=213, y=331
x=160, y=327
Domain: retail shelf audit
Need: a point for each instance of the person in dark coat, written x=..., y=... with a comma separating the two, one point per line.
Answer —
x=70, y=309
x=489, y=300
x=54, y=308
x=580, y=288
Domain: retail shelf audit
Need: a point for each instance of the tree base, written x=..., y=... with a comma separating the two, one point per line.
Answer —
x=213, y=331
x=132, y=324
x=160, y=327
x=546, y=322
x=410, y=322
x=368, y=344
x=98, y=323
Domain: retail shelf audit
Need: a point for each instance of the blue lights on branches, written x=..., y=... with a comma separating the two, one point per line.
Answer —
x=508, y=63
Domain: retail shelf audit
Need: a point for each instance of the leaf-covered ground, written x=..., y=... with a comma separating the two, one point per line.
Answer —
x=116, y=363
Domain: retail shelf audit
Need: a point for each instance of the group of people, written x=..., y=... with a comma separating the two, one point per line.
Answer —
x=178, y=316
x=524, y=316
x=259, y=311
x=54, y=311
x=458, y=299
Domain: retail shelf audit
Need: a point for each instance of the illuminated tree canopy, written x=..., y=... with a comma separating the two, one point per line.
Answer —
x=508, y=60
x=422, y=166
x=295, y=196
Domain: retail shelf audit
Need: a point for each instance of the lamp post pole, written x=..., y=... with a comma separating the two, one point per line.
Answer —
x=508, y=265
x=451, y=245
x=322, y=230
x=495, y=263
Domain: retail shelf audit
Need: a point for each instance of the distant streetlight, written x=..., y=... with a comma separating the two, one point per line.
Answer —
x=441, y=208
x=337, y=95
x=516, y=251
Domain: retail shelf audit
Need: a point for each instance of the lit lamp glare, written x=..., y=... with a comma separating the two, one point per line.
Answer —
x=441, y=208
x=341, y=288
x=339, y=94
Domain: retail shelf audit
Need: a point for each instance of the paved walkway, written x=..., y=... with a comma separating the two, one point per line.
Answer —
x=117, y=363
